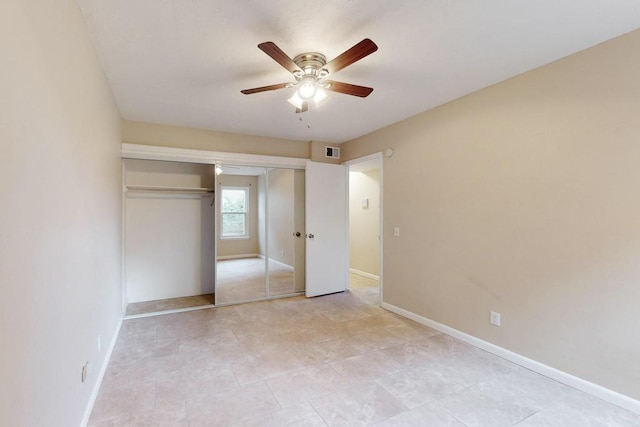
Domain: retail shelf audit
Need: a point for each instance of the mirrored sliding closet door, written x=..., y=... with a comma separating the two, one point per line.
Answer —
x=285, y=231
x=240, y=262
x=260, y=233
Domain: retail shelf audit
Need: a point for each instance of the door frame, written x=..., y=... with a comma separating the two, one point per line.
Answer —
x=378, y=158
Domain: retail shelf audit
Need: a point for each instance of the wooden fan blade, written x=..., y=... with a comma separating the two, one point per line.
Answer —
x=356, y=53
x=349, y=89
x=264, y=88
x=305, y=107
x=279, y=56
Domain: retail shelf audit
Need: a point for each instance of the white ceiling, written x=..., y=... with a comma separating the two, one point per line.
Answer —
x=184, y=62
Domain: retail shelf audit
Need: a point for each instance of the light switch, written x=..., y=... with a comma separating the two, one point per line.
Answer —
x=495, y=318
x=396, y=231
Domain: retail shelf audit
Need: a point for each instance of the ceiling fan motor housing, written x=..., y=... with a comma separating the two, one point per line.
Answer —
x=311, y=63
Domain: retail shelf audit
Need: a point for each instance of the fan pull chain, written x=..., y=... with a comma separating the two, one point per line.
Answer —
x=307, y=116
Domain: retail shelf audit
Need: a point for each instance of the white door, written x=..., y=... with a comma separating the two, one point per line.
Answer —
x=326, y=229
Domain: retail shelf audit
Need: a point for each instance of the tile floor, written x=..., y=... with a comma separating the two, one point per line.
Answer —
x=337, y=360
x=244, y=279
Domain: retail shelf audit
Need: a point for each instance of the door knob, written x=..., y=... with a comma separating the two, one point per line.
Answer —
x=311, y=236
x=297, y=234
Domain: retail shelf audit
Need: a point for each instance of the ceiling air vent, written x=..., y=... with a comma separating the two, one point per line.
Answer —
x=332, y=152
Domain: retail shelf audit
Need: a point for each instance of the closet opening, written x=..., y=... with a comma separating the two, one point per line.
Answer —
x=169, y=229
x=194, y=238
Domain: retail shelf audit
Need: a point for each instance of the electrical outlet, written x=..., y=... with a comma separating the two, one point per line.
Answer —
x=396, y=231
x=495, y=318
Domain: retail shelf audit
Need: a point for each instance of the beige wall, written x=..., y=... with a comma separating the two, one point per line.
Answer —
x=199, y=139
x=60, y=215
x=249, y=246
x=364, y=223
x=523, y=199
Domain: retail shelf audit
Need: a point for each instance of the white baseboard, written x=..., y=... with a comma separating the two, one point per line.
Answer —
x=600, y=392
x=290, y=267
x=282, y=264
x=239, y=256
x=364, y=274
x=103, y=370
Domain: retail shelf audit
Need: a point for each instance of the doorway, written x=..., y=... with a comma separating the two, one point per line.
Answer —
x=365, y=224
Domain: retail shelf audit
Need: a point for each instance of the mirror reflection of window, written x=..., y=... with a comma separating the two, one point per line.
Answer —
x=234, y=210
x=241, y=264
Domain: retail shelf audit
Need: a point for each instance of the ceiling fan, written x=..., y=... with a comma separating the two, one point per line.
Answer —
x=311, y=70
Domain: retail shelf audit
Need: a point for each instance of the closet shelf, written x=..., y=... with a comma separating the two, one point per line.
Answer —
x=185, y=190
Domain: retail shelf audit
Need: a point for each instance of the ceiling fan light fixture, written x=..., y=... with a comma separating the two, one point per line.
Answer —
x=307, y=89
x=320, y=96
x=296, y=101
